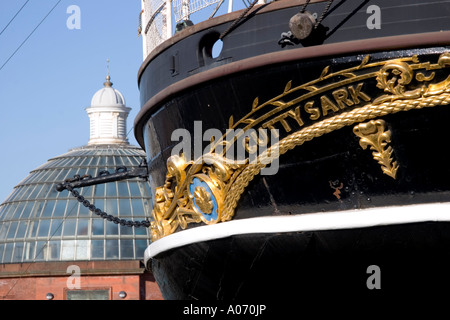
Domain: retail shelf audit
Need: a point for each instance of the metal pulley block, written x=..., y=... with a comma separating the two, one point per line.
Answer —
x=302, y=24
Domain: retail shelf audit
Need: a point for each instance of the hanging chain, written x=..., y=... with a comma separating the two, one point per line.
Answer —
x=105, y=176
x=104, y=215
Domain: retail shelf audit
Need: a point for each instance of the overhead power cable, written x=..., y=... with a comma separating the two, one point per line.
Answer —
x=23, y=42
x=7, y=25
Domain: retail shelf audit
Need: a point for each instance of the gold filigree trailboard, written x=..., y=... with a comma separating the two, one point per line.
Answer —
x=208, y=189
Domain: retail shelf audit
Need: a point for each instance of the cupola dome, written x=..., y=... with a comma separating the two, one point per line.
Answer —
x=107, y=96
x=108, y=116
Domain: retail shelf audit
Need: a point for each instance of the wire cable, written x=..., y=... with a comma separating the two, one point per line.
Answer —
x=23, y=42
x=7, y=25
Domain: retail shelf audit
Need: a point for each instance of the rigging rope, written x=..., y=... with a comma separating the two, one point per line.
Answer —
x=304, y=6
x=324, y=12
x=238, y=20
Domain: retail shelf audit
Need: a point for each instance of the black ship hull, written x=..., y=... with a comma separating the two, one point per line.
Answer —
x=349, y=188
x=406, y=260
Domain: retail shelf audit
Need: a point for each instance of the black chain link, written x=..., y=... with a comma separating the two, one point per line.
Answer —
x=104, y=215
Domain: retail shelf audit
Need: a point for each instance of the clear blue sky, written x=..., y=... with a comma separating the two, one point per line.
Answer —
x=46, y=85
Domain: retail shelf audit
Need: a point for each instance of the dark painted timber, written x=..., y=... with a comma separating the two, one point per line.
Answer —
x=181, y=83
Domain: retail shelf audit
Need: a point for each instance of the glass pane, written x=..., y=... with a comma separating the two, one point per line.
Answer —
x=69, y=227
x=48, y=209
x=2, y=250
x=87, y=295
x=100, y=190
x=87, y=192
x=141, y=231
x=119, y=161
x=83, y=211
x=98, y=227
x=62, y=175
x=33, y=228
x=35, y=191
x=8, y=252
x=72, y=207
x=56, y=228
x=148, y=190
x=102, y=161
x=18, y=252
x=97, y=249
x=71, y=173
x=8, y=208
x=123, y=189
x=20, y=192
x=126, y=249
x=134, y=189
x=12, y=196
x=44, y=227
x=111, y=228
x=18, y=211
x=141, y=245
x=54, y=249
x=125, y=230
x=76, y=161
x=10, y=212
x=2, y=210
x=111, y=189
x=27, y=210
x=37, y=209
x=82, y=249
x=29, y=251
x=85, y=162
x=52, y=175
x=12, y=230
x=124, y=207
x=41, y=250
x=94, y=162
x=4, y=229
x=53, y=193
x=60, y=208
x=111, y=206
x=112, y=249
x=22, y=229
x=83, y=227
x=138, y=208
x=25, y=192
x=68, y=250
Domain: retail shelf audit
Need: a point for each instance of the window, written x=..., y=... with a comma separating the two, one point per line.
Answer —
x=54, y=249
x=82, y=252
x=97, y=249
x=98, y=294
x=43, y=224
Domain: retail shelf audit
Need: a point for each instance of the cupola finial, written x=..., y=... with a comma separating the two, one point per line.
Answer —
x=108, y=82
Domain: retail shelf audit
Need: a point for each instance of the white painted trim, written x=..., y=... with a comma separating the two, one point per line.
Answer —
x=348, y=219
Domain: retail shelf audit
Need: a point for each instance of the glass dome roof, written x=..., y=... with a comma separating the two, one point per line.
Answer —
x=37, y=223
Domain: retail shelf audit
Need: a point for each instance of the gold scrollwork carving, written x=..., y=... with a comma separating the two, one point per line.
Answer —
x=193, y=192
x=374, y=134
x=208, y=190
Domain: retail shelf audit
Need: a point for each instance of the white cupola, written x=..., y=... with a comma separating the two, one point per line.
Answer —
x=108, y=116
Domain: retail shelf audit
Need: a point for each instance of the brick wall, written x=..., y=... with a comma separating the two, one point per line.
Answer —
x=34, y=281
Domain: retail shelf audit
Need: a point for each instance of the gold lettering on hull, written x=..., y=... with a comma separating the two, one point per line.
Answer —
x=341, y=99
x=209, y=191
